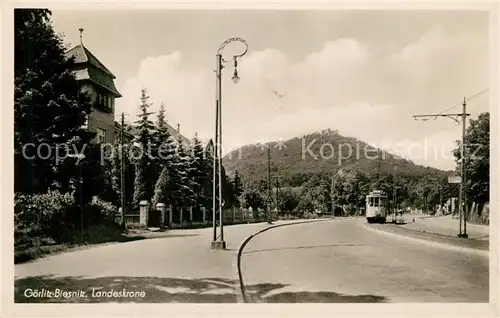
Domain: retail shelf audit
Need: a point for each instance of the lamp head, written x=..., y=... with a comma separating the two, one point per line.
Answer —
x=235, y=77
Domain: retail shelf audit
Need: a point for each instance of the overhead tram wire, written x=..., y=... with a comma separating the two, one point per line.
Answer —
x=466, y=100
x=424, y=121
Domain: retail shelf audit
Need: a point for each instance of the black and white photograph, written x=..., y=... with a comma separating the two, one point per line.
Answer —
x=251, y=156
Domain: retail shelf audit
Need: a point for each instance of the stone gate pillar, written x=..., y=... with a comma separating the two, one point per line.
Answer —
x=144, y=212
x=162, y=208
x=190, y=214
x=180, y=217
x=204, y=213
x=120, y=217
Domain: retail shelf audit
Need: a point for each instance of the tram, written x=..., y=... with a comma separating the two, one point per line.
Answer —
x=376, y=207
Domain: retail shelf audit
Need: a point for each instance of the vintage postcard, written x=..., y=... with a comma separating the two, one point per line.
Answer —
x=313, y=154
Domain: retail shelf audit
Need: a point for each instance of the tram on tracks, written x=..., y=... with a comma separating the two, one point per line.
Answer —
x=376, y=207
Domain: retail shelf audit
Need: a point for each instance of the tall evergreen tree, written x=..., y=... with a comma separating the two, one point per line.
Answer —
x=227, y=190
x=165, y=161
x=49, y=107
x=160, y=193
x=208, y=155
x=184, y=190
x=143, y=186
x=199, y=172
x=237, y=184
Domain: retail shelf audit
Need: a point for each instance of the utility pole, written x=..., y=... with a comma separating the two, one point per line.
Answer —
x=424, y=194
x=277, y=196
x=332, y=185
x=268, y=185
x=441, y=198
x=462, y=168
x=462, y=207
x=122, y=172
x=394, y=196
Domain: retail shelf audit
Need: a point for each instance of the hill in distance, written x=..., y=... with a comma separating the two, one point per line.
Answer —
x=318, y=153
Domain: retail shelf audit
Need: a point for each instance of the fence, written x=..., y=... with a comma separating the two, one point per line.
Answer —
x=195, y=217
x=479, y=213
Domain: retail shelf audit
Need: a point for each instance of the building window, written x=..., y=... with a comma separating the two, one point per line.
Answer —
x=101, y=135
x=86, y=123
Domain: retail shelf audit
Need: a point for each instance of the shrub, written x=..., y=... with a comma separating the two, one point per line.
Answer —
x=47, y=212
x=105, y=208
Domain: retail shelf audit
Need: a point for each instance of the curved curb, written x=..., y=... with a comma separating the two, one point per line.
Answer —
x=483, y=253
x=247, y=240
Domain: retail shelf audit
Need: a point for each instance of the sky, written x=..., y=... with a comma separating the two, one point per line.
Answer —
x=363, y=73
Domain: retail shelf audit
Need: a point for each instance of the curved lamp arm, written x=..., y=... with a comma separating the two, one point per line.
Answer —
x=235, y=77
x=230, y=40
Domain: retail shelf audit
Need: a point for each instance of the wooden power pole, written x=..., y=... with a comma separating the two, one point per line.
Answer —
x=122, y=168
x=269, y=185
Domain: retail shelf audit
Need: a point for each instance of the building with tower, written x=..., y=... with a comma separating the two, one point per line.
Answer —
x=98, y=81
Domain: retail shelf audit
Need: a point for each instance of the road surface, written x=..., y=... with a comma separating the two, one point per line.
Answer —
x=343, y=261
x=327, y=261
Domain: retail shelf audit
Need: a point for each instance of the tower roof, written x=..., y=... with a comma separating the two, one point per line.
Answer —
x=88, y=67
x=83, y=55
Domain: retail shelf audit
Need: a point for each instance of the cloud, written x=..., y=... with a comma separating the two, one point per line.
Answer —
x=343, y=86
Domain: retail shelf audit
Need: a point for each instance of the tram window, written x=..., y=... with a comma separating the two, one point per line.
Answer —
x=376, y=204
x=371, y=201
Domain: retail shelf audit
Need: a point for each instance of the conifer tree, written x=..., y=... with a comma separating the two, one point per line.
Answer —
x=237, y=187
x=198, y=170
x=184, y=190
x=143, y=186
x=49, y=107
x=164, y=163
x=208, y=173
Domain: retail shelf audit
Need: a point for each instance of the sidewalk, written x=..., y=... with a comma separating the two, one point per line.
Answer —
x=445, y=225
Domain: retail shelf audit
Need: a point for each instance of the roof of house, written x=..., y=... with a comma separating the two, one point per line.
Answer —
x=176, y=134
x=83, y=55
x=88, y=67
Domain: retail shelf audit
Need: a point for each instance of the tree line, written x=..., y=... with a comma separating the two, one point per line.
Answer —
x=160, y=167
x=50, y=109
x=347, y=191
x=50, y=112
x=425, y=189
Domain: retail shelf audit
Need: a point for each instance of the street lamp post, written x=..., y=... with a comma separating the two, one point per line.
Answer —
x=218, y=240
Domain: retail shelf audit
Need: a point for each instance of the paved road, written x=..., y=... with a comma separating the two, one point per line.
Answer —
x=177, y=268
x=328, y=261
x=343, y=261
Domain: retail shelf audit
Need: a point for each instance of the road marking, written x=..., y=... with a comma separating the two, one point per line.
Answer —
x=243, y=294
x=430, y=243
